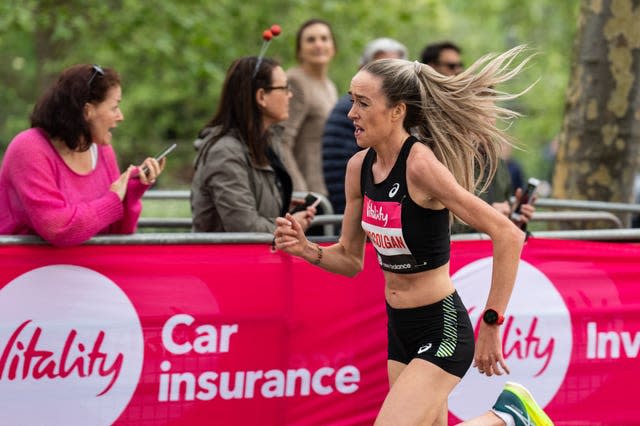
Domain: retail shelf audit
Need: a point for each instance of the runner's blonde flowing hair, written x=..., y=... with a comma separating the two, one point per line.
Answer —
x=455, y=116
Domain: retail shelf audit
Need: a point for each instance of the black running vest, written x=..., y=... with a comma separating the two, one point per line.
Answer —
x=407, y=237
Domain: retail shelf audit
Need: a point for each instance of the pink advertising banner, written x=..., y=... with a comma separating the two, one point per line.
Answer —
x=235, y=334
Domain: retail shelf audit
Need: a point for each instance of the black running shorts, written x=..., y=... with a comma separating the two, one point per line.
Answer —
x=440, y=333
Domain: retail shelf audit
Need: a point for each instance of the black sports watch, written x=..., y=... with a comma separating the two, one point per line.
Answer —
x=492, y=317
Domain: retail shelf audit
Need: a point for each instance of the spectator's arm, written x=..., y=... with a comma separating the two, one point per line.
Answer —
x=49, y=212
x=132, y=203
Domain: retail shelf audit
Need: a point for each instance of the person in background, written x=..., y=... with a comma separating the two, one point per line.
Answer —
x=548, y=166
x=444, y=57
x=513, y=166
x=402, y=190
x=338, y=140
x=240, y=184
x=498, y=194
x=60, y=178
x=314, y=94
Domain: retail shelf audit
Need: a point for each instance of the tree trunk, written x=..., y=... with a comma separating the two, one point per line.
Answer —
x=598, y=152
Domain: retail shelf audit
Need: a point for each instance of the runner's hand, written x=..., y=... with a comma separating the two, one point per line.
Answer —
x=488, y=358
x=289, y=235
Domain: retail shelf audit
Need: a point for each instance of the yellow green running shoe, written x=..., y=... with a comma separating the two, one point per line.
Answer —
x=518, y=402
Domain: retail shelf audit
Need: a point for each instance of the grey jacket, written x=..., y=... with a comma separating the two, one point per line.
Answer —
x=229, y=193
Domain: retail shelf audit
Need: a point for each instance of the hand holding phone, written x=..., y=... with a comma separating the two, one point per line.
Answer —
x=309, y=201
x=526, y=196
x=160, y=156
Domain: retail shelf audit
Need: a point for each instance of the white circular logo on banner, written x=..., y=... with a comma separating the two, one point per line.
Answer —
x=536, y=337
x=71, y=348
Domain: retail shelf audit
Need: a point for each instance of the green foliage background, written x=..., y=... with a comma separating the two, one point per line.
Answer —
x=172, y=56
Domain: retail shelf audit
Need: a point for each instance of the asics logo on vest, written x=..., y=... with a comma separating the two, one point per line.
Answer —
x=394, y=190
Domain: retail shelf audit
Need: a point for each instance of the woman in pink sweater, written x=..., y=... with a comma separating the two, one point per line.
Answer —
x=60, y=178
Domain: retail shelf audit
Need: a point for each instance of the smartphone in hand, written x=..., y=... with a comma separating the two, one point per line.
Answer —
x=309, y=201
x=160, y=156
x=532, y=184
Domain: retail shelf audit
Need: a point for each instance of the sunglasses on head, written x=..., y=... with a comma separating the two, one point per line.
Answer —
x=97, y=69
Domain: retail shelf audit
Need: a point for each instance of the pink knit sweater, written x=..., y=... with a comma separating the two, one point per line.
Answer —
x=40, y=194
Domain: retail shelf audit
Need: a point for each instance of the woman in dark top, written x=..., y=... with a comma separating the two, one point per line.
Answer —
x=401, y=190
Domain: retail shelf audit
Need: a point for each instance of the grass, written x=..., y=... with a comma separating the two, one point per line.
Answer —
x=166, y=208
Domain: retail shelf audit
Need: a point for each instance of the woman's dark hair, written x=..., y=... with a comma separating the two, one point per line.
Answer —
x=60, y=109
x=431, y=52
x=309, y=23
x=238, y=110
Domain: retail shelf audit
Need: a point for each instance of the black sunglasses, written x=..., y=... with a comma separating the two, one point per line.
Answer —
x=452, y=65
x=286, y=87
x=97, y=69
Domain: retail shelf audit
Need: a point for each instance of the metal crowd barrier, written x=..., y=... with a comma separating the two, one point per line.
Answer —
x=577, y=216
x=589, y=211
x=588, y=205
x=324, y=206
x=157, y=238
x=618, y=235
x=329, y=220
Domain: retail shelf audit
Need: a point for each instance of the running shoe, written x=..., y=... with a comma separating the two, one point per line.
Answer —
x=518, y=402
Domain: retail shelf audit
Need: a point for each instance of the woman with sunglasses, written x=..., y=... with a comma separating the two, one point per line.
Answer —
x=422, y=133
x=60, y=178
x=240, y=184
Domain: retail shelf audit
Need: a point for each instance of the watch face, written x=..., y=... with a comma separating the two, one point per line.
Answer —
x=490, y=316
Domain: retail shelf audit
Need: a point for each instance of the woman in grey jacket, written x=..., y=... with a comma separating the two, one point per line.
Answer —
x=240, y=184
